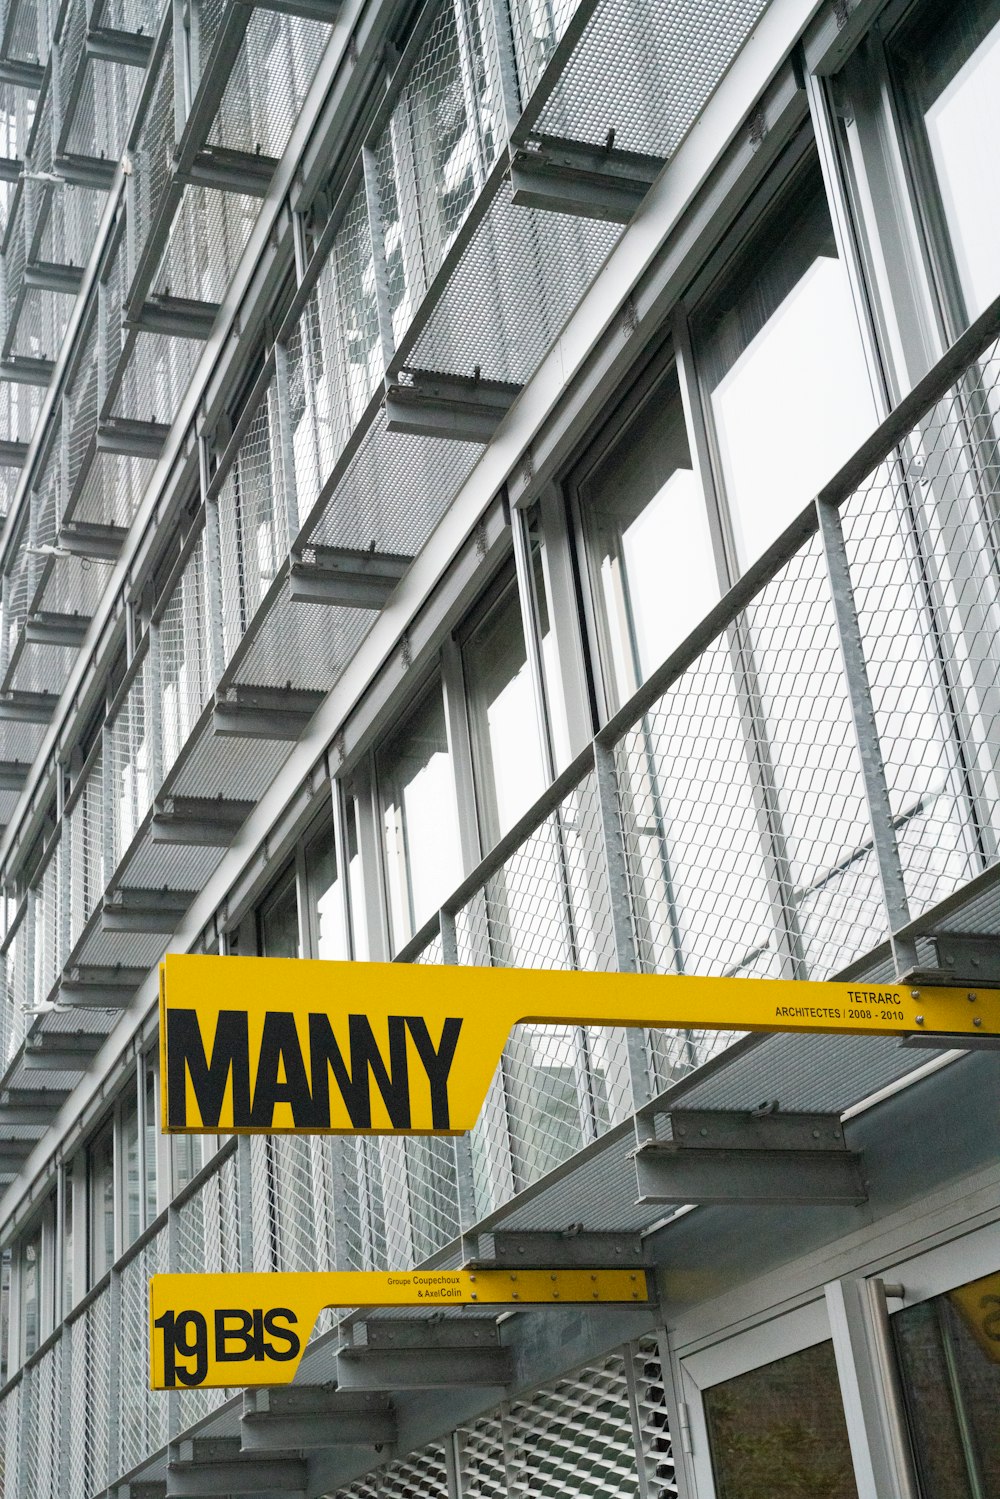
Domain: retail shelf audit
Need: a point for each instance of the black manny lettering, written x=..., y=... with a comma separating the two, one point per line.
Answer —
x=279, y=1073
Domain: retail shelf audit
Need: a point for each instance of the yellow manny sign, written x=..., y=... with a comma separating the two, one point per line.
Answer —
x=221, y=1330
x=284, y=1045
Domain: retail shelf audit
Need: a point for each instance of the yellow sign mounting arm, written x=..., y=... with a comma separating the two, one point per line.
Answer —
x=214, y=1331
x=280, y=1045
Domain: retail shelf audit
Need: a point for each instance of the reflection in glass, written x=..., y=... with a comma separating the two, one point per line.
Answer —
x=650, y=542
x=779, y=1432
x=949, y=1357
x=31, y=1255
x=506, y=741
x=101, y=1186
x=789, y=393
x=553, y=672
x=278, y=923
x=326, y=906
x=419, y=818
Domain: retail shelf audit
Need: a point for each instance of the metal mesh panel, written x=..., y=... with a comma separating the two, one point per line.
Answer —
x=90, y=1398
x=574, y=1436
x=481, y=1459
x=361, y=1234
x=269, y=82
x=655, y=1447
x=209, y=234
x=537, y=29
x=207, y=1225
x=424, y=1473
x=19, y=408
x=127, y=762
x=111, y=296
x=23, y=42
x=558, y=1086
x=71, y=225
x=647, y=70
x=84, y=827
x=184, y=657
x=42, y=323
x=41, y=1411
x=68, y=53
x=81, y=407
x=49, y=927
x=307, y=645
x=518, y=280
x=142, y=1412
x=292, y=1204
x=131, y=15
x=419, y=1181
x=112, y=489
x=104, y=108
x=433, y=158
x=16, y=981
x=921, y=538
x=151, y=161
x=432, y=953
x=156, y=377
x=253, y=521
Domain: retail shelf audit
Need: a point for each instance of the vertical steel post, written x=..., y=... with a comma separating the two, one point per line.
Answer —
x=866, y=732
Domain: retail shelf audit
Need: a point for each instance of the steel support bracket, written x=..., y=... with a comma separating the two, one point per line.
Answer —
x=13, y=454
x=717, y=1156
x=22, y=369
x=100, y=986
x=131, y=438
x=199, y=821
x=573, y=1249
x=349, y=579
x=11, y=168
x=86, y=171
x=960, y=958
x=62, y=1051
x=21, y=74
x=263, y=712
x=13, y=774
x=159, y=911
x=463, y=408
x=207, y=1466
x=48, y=275
x=108, y=44
x=178, y=317
x=591, y=182
x=416, y=1354
x=27, y=707
x=231, y=171
x=24, y=1104
x=90, y=540
x=47, y=628
x=306, y=1417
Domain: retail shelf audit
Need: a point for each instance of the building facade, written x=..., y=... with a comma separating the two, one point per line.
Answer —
x=516, y=483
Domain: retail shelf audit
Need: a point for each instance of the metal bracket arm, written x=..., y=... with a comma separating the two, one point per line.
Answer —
x=207, y=1466
x=47, y=628
x=573, y=1249
x=591, y=182
x=305, y=1417
x=131, y=438
x=464, y=408
x=424, y=1355
x=264, y=713
x=144, y=910
x=230, y=171
x=199, y=821
x=100, y=987
x=348, y=579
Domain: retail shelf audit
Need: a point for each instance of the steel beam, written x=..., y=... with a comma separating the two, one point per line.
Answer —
x=328, y=11
x=100, y=986
x=573, y=1249
x=27, y=707
x=22, y=369
x=959, y=958
x=306, y=1417
x=591, y=182
x=47, y=1101
x=263, y=712
x=90, y=540
x=178, y=317
x=47, y=628
x=199, y=821
x=126, y=910
x=21, y=74
x=464, y=408
x=728, y=1157
x=231, y=171
x=108, y=44
x=13, y=454
x=47, y=275
x=11, y=168
x=352, y=580
x=208, y=1466
x=17, y=1114
x=133, y=439
x=424, y=1355
x=86, y=171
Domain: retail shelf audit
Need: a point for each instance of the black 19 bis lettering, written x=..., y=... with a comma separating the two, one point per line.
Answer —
x=233, y=1335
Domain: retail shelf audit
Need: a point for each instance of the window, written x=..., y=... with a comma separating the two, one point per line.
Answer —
x=328, y=936
x=780, y=1431
x=278, y=921
x=782, y=365
x=507, y=752
x=946, y=63
x=419, y=818
x=31, y=1267
x=101, y=1193
x=949, y=1358
x=653, y=573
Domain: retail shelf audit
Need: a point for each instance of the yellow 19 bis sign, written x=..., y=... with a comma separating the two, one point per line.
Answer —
x=222, y=1330
x=284, y=1045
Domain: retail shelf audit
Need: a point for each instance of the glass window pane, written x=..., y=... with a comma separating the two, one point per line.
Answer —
x=654, y=574
x=553, y=671
x=101, y=1190
x=278, y=922
x=328, y=928
x=130, y=1152
x=152, y=1129
x=949, y=1357
x=788, y=389
x=30, y=1267
x=506, y=738
x=951, y=76
x=419, y=818
x=779, y=1431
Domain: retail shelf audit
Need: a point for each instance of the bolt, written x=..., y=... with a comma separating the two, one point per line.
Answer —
x=815, y=1134
x=976, y=1020
x=919, y=1019
x=703, y=1133
x=914, y=993
x=971, y=998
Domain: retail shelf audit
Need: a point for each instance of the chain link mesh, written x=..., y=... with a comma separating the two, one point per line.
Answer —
x=151, y=161
x=268, y=83
x=653, y=1440
x=127, y=762
x=142, y=1412
x=90, y=1396
x=184, y=657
